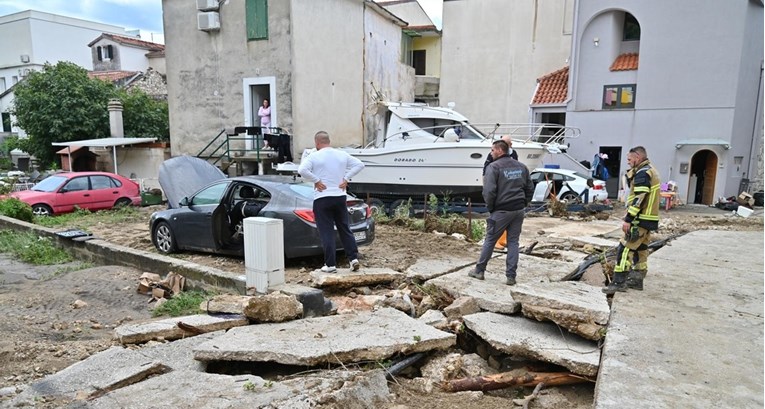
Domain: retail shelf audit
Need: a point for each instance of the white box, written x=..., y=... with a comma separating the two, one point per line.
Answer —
x=744, y=211
x=263, y=252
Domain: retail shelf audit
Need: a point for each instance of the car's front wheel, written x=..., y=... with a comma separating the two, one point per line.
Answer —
x=569, y=197
x=42, y=210
x=163, y=238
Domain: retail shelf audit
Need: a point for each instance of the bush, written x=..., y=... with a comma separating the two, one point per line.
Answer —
x=17, y=209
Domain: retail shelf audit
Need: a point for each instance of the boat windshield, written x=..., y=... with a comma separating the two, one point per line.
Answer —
x=438, y=127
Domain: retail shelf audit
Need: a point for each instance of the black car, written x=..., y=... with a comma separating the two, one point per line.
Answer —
x=211, y=219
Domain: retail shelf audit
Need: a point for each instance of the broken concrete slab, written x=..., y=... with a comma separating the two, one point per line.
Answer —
x=491, y=294
x=94, y=376
x=366, y=336
x=578, y=307
x=346, y=278
x=345, y=389
x=460, y=307
x=274, y=307
x=348, y=305
x=167, y=329
x=542, y=341
x=434, y=318
x=110, y=367
x=555, y=228
x=225, y=304
x=426, y=269
x=596, y=242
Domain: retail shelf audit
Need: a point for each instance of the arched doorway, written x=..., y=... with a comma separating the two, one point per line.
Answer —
x=701, y=186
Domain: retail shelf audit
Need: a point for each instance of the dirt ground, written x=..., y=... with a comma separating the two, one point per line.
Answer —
x=45, y=330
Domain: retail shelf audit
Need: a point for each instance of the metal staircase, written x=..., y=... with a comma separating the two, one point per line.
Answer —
x=230, y=148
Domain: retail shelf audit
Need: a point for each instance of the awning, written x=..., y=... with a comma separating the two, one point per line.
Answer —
x=104, y=143
x=721, y=142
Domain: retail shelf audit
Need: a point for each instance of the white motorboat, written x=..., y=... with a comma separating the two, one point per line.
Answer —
x=421, y=150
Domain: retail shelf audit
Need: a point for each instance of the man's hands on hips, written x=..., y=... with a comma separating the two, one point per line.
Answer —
x=343, y=184
x=319, y=186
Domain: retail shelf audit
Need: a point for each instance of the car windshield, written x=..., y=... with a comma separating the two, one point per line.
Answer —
x=49, y=184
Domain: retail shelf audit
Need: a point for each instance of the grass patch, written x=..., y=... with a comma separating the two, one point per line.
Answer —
x=82, y=219
x=185, y=303
x=32, y=249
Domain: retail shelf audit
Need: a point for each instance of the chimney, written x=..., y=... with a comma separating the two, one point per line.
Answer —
x=115, y=119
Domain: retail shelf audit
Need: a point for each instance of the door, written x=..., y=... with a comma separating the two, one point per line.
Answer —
x=613, y=164
x=418, y=62
x=193, y=227
x=75, y=192
x=704, y=168
x=258, y=93
x=103, y=191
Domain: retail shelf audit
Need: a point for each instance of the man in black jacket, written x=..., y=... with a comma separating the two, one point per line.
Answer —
x=507, y=190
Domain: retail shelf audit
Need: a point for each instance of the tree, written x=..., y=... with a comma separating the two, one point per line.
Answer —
x=144, y=116
x=60, y=104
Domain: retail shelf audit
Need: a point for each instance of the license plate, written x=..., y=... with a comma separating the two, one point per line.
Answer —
x=360, y=235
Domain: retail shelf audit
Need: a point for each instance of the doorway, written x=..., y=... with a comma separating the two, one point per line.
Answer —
x=254, y=91
x=258, y=93
x=613, y=164
x=701, y=186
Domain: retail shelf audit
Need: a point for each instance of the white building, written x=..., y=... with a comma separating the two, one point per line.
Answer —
x=685, y=85
x=29, y=39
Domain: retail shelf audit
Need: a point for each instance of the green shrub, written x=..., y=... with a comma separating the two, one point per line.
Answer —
x=31, y=248
x=17, y=209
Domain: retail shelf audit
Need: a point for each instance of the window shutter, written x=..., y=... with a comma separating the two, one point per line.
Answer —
x=100, y=58
x=257, y=19
x=110, y=51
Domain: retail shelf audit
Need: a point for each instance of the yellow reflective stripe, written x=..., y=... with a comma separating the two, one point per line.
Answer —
x=623, y=264
x=648, y=217
x=632, y=210
x=642, y=189
x=652, y=197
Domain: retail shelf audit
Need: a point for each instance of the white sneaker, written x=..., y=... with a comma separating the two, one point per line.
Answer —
x=328, y=269
x=355, y=265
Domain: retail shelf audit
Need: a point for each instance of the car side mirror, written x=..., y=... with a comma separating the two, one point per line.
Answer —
x=184, y=202
x=63, y=190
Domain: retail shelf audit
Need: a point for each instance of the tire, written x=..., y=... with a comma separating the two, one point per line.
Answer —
x=377, y=206
x=569, y=197
x=163, y=238
x=123, y=202
x=41, y=209
x=398, y=208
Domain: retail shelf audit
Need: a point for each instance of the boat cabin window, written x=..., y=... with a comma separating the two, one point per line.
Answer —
x=438, y=127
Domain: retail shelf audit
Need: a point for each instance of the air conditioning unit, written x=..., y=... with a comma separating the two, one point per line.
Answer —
x=208, y=21
x=24, y=58
x=208, y=5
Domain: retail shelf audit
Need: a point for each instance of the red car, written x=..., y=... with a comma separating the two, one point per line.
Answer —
x=61, y=192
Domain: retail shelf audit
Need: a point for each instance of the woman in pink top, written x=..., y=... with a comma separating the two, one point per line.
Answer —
x=264, y=112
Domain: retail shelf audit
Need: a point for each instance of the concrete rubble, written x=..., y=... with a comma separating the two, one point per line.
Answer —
x=168, y=329
x=425, y=269
x=536, y=340
x=578, y=307
x=345, y=278
x=274, y=307
x=327, y=340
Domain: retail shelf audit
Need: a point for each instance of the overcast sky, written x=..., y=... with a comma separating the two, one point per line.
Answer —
x=145, y=15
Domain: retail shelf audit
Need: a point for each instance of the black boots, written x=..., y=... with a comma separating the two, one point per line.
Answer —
x=618, y=284
x=635, y=279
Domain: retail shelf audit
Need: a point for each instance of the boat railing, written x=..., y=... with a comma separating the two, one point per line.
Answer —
x=543, y=133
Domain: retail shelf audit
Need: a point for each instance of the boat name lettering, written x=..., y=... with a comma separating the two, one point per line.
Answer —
x=408, y=160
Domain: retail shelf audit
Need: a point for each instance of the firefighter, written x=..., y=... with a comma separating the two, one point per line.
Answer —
x=641, y=219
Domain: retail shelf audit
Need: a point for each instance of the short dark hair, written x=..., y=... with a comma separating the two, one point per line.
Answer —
x=640, y=151
x=502, y=145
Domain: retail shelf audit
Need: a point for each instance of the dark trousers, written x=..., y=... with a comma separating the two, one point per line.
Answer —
x=499, y=222
x=331, y=212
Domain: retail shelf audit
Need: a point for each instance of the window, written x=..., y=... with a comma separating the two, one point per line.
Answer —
x=102, y=182
x=77, y=184
x=6, y=122
x=105, y=53
x=619, y=96
x=2, y=84
x=257, y=19
x=210, y=195
x=14, y=79
x=631, y=28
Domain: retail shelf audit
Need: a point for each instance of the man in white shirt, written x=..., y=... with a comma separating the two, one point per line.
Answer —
x=330, y=169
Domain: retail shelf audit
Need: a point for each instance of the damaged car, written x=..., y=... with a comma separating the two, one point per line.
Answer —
x=211, y=219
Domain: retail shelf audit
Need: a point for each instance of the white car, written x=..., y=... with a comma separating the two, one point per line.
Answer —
x=568, y=184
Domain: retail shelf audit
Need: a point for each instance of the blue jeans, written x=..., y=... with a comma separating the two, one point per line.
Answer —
x=496, y=224
x=331, y=212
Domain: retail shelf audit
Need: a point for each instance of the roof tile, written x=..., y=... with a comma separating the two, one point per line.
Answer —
x=552, y=89
x=625, y=62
